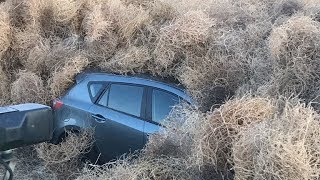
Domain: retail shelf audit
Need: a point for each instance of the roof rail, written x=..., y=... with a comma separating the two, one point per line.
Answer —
x=171, y=81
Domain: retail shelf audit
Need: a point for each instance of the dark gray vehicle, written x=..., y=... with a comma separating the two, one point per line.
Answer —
x=123, y=110
x=24, y=124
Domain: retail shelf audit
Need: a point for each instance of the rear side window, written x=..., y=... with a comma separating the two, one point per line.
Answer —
x=104, y=99
x=162, y=103
x=95, y=88
x=124, y=98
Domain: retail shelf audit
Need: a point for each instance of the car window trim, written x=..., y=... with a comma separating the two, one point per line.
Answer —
x=143, y=103
x=149, y=105
x=104, y=85
x=101, y=94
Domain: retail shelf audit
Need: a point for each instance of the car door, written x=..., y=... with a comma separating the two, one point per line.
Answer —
x=118, y=115
x=159, y=105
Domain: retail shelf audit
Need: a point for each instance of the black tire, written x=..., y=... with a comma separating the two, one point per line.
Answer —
x=65, y=134
x=92, y=154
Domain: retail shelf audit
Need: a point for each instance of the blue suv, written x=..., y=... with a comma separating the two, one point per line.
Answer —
x=123, y=110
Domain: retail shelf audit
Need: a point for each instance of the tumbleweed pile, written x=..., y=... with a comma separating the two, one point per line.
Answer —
x=252, y=67
x=285, y=146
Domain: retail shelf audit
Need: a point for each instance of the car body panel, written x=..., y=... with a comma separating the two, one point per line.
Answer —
x=73, y=115
x=150, y=128
x=119, y=134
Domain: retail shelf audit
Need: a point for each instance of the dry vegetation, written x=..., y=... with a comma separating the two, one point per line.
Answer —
x=144, y=169
x=252, y=66
x=27, y=83
x=285, y=146
x=64, y=159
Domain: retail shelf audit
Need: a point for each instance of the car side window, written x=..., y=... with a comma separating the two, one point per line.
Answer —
x=124, y=98
x=104, y=99
x=162, y=103
x=95, y=88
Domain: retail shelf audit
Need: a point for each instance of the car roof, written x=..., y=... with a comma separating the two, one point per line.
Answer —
x=135, y=79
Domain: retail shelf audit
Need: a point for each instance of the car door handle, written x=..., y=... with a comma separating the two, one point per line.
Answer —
x=99, y=118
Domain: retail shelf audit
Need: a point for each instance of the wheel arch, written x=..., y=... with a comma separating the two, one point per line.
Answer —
x=59, y=133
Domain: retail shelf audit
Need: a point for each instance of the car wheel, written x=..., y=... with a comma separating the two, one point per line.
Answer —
x=65, y=134
x=92, y=153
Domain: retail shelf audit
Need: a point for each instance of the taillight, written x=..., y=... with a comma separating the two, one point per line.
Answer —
x=57, y=104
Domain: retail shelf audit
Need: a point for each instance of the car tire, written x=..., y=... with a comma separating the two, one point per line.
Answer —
x=65, y=134
x=92, y=154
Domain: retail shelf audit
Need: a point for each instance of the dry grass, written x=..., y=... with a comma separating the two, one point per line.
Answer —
x=312, y=8
x=27, y=88
x=216, y=133
x=235, y=53
x=205, y=140
x=202, y=140
x=24, y=40
x=71, y=147
x=38, y=54
x=142, y=168
x=285, y=147
x=63, y=77
x=5, y=35
x=29, y=166
x=18, y=12
x=64, y=159
x=62, y=52
x=129, y=60
x=213, y=48
x=128, y=18
x=46, y=55
x=294, y=47
x=54, y=18
x=97, y=24
x=133, y=20
x=161, y=12
x=205, y=45
x=211, y=81
x=191, y=29
x=99, y=29
x=96, y=50
x=289, y=35
x=65, y=11
x=177, y=139
x=185, y=6
x=4, y=88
